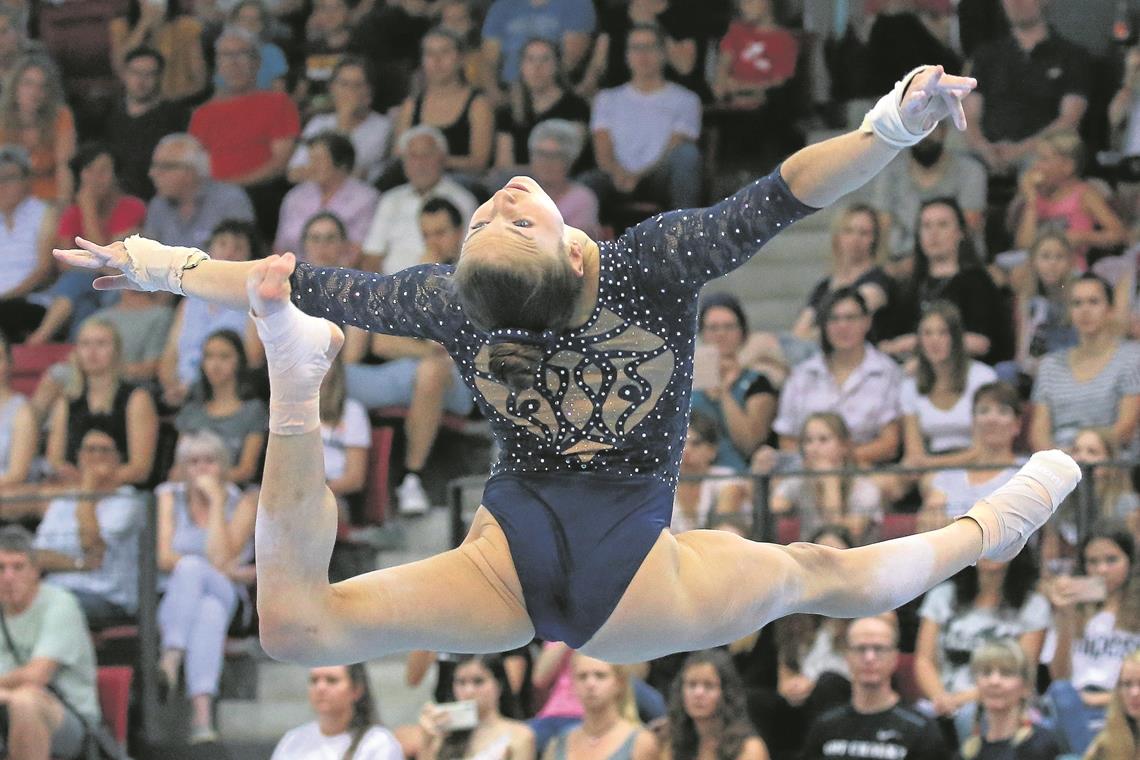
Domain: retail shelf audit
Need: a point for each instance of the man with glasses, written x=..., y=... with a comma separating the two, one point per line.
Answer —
x=874, y=724
x=188, y=205
x=140, y=119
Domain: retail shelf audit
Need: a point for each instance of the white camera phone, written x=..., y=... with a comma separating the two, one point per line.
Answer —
x=461, y=715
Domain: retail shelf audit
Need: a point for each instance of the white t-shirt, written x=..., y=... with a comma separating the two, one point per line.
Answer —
x=641, y=123
x=961, y=494
x=395, y=230
x=946, y=429
x=1098, y=654
x=706, y=500
x=352, y=431
x=961, y=631
x=308, y=743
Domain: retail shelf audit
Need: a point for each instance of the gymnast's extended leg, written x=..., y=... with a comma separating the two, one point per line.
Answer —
x=705, y=588
x=467, y=599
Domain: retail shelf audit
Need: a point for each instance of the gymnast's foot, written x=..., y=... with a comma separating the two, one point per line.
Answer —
x=1013, y=512
x=299, y=349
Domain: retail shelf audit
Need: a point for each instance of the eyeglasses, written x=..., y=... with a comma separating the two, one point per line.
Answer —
x=878, y=650
x=330, y=237
x=713, y=328
x=167, y=166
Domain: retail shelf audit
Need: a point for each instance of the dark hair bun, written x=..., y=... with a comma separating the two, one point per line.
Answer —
x=515, y=364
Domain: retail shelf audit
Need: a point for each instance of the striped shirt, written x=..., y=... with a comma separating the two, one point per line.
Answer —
x=1074, y=405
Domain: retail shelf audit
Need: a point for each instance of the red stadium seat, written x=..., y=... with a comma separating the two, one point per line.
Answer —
x=377, y=494
x=905, y=682
x=114, y=684
x=30, y=362
x=895, y=526
x=787, y=530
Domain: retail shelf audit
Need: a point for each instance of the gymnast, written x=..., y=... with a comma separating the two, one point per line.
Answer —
x=580, y=356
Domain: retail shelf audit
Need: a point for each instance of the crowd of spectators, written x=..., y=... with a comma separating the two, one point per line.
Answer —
x=981, y=304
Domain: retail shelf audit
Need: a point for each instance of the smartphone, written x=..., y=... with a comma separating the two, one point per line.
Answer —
x=1088, y=588
x=461, y=716
x=706, y=367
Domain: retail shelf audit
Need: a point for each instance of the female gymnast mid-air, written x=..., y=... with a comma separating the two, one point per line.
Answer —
x=580, y=354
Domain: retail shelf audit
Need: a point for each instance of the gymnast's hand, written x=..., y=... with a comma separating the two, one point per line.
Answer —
x=932, y=96
x=93, y=256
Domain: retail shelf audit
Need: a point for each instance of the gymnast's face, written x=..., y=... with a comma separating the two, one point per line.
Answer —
x=518, y=220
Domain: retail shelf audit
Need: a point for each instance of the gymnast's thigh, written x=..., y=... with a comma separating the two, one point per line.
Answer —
x=467, y=599
x=697, y=589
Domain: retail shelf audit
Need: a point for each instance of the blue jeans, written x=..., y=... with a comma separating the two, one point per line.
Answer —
x=1076, y=722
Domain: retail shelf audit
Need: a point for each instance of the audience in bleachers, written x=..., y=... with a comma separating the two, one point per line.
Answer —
x=330, y=186
x=27, y=234
x=1096, y=623
x=99, y=397
x=756, y=54
x=1094, y=383
x=47, y=647
x=19, y=434
x=561, y=709
x=347, y=724
x=223, y=402
x=254, y=17
x=205, y=550
x=610, y=724
x=173, y=32
x=1119, y=737
x=697, y=502
x=708, y=712
x=554, y=147
x=328, y=33
x=393, y=241
x=346, y=434
x=1114, y=495
x=351, y=115
x=443, y=228
x=985, y=601
x=34, y=115
x=849, y=377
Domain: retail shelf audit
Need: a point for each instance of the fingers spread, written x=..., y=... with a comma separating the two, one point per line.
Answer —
x=77, y=258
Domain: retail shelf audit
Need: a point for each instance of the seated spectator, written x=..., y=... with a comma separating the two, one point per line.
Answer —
x=834, y=499
x=1114, y=496
x=510, y=24
x=176, y=34
x=205, y=546
x=903, y=35
x=139, y=119
x=347, y=724
x=1053, y=197
x=849, y=377
x=610, y=724
x=330, y=186
x=101, y=212
x=188, y=205
x=554, y=147
x=253, y=16
x=645, y=132
x=458, y=16
x=178, y=370
x=248, y=133
x=1041, y=313
x=696, y=502
x=393, y=241
x=352, y=116
x=1094, y=631
x=561, y=710
x=995, y=425
x=708, y=712
x=1094, y=383
x=947, y=268
x=222, y=402
x=14, y=42
x=90, y=546
x=756, y=55
x=324, y=243
x=101, y=398
x=443, y=230
x=328, y=32
x=35, y=116
x=985, y=601
x=498, y=735
x=741, y=401
x=925, y=172
x=855, y=241
x=937, y=402
x=19, y=434
x=447, y=102
x=1004, y=726
x=46, y=623
x=540, y=94
x=27, y=234
x=516, y=664
x=874, y=724
x=1120, y=735
x=346, y=434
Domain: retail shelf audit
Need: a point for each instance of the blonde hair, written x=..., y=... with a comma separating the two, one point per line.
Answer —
x=626, y=701
x=1068, y=144
x=77, y=382
x=1117, y=741
x=1111, y=482
x=200, y=442
x=877, y=241
x=1006, y=656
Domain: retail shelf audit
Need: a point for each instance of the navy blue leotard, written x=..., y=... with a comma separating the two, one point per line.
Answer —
x=585, y=481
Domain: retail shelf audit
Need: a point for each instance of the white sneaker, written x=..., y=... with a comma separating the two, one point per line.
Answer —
x=411, y=496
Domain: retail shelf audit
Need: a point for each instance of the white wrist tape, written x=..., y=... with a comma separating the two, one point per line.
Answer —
x=885, y=119
x=154, y=266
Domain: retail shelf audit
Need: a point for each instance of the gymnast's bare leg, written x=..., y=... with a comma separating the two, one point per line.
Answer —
x=467, y=599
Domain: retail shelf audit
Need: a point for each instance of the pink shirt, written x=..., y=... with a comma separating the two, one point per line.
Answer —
x=354, y=203
x=562, y=702
x=127, y=215
x=1067, y=214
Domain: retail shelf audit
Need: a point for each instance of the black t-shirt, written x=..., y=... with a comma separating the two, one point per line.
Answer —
x=873, y=276
x=1042, y=744
x=900, y=42
x=895, y=734
x=985, y=310
x=679, y=22
x=1022, y=91
x=570, y=107
x=132, y=140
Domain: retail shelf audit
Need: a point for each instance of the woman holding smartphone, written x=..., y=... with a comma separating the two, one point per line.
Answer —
x=1097, y=619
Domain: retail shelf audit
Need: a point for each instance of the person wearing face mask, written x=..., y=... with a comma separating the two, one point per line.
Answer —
x=925, y=172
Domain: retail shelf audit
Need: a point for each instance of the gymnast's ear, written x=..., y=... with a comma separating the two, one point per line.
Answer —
x=575, y=250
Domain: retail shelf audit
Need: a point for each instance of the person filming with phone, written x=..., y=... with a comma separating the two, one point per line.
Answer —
x=1097, y=618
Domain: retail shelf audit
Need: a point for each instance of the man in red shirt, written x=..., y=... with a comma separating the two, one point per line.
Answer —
x=249, y=133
